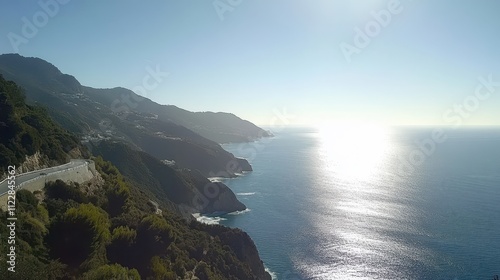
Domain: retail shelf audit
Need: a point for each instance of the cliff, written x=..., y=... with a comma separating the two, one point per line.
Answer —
x=75, y=234
x=189, y=189
x=211, y=197
x=28, y=137
x=79, y=231
x=242, y=245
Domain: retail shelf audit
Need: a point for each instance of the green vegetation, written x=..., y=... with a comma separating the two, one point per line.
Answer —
x=75, y=234
x=25, y=129
x=107, y=231
x=169, y=186
x=162, y=131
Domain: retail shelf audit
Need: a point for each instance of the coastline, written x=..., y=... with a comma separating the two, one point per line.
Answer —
x=219, y=218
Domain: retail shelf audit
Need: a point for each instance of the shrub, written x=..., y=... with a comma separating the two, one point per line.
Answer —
x=114, y=271
x=78, y=233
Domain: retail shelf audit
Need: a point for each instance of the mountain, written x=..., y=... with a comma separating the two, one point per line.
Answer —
x=39, y=75
x=111, y=228
x=28, y=130
x=219, y=127
x=187, y=189
x=120, y=114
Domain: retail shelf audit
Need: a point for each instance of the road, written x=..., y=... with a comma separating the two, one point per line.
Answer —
x=21, y=178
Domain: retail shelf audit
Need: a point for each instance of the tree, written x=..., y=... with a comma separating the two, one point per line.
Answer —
x=114, y=271
x=121, y=246
x=60, y=190
x=78, y=234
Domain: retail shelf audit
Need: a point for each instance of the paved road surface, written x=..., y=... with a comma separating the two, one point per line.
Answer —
x=21, y=178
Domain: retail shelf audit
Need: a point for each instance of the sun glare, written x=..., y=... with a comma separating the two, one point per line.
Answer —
x=354, y=151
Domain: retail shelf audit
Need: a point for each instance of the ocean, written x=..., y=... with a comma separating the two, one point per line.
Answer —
x=373, y=203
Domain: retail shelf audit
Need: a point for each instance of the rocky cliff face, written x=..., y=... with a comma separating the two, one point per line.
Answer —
x=226, y=201
x=39, y=161
x=247, y=252
x=244, y=164
x=242, y=245
x=31, y=163
x=212, y=197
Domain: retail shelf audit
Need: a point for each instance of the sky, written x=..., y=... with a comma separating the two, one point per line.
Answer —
x=419, y=62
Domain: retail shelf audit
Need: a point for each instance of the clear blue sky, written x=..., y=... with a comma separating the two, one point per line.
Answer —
x=265, y=56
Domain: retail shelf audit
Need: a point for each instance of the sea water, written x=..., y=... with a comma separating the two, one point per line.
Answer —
x=369, y=203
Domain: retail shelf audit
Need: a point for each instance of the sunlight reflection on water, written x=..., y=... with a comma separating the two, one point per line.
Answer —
x=333, y=205
x=358, y=207
x=354, y=153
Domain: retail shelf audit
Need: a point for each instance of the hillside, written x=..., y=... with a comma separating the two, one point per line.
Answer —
x=187, y=189
x=114, y=233
x=96, y=114
x=219, y=127
x=112, y=229
x=45, y=83
x=28, y=130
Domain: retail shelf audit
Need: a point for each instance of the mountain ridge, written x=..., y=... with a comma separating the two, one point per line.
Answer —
x=90, y=230
x=14, y=65
x=97, y=114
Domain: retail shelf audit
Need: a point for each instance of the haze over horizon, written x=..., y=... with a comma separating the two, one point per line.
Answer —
x=386, y=62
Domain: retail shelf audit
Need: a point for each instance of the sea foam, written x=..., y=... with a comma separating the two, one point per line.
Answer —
x=208, y=220
x=273, y=275
x=240, y=212
x=246, y=193
x=216, y=179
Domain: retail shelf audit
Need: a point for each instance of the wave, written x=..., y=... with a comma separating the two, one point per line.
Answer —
x=245, y=193
x=208, y=220
x=273, y=275
x=490, y=176
x=239, y=212
x=216, y=179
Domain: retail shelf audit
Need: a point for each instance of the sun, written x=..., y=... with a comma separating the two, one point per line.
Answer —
x=354, y=151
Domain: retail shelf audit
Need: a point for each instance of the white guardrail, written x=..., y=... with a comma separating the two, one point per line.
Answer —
x=18, y=186
x=39, y=170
